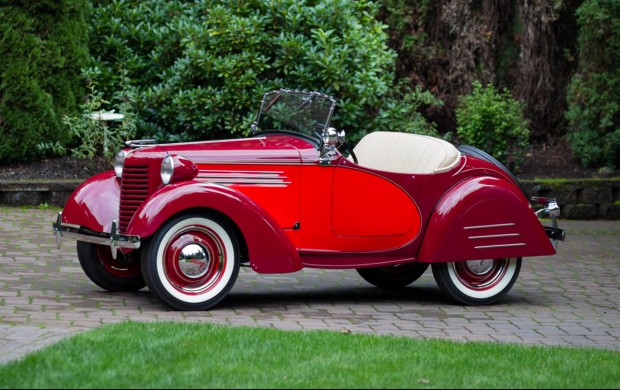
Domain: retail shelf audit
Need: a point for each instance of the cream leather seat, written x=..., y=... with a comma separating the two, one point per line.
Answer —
x=406, y=153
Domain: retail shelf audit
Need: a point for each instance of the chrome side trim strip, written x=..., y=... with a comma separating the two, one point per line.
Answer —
x=489, y=226
x=500, y=246
x=250, y=162
x=240, y=174
x=244, y=181
x=248, y=178
x=494, y=236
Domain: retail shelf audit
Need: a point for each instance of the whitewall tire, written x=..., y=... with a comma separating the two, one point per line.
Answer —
x=477, y=282
x=192, y=261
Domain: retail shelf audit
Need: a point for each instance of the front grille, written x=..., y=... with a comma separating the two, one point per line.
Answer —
x=134, y=190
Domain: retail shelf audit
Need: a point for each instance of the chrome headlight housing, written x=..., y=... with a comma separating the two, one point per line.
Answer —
x=167, y=169
x=176, y=168
x=119, y=162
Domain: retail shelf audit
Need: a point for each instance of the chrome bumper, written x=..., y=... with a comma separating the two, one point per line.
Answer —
x=551, y=209
x=113, y=239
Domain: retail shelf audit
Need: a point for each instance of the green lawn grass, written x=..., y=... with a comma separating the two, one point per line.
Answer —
x=189, y=355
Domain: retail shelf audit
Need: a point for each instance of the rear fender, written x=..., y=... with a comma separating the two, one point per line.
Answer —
x=94, y=204
x=483, y=218
x=269, y=248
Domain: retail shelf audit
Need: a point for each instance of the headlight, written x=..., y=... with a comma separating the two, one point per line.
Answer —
x=119, y=161
x=167, y=169
x=176, y=168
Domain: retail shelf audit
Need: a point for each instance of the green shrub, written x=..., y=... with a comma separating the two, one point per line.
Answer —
x=401, y=111
x=42, y=49
x=198, y=69
x=493, y=121
x=97, y=137
x=593, y=112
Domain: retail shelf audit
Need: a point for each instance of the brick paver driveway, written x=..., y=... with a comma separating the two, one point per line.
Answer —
x=570, y=299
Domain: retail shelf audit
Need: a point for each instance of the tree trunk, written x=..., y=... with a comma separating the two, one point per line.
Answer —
x=522, y=45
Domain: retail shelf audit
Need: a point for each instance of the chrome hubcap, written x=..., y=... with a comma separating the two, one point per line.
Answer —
x=479, y=267
x=194, y=261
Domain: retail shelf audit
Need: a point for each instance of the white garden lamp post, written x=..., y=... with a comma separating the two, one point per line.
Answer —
x=105, y=117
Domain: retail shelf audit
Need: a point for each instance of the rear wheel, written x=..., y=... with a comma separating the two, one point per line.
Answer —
x=394, y=276
x=116, y=275
x=192, y=261
x=477, y=282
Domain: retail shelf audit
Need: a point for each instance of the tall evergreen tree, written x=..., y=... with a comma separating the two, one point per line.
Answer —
x=594, y=93
x=43, y=46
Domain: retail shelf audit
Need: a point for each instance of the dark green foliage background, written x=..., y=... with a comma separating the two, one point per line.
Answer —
x=594, y=93
x=493, y=121
x=198, y=69
x=43, y=46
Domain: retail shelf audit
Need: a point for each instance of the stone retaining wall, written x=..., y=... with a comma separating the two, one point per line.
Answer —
x=581, y=199
x=36, y=193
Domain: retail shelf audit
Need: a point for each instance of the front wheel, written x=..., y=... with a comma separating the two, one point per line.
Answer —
x=122, y=274
x=477, y=282
x=192, y=261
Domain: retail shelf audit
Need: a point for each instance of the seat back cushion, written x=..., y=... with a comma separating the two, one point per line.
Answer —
x=406, y=153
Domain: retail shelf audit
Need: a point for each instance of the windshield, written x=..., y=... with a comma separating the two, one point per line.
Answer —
x=308, y=113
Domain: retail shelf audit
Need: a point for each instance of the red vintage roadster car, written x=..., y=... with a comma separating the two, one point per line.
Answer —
x=182, y=218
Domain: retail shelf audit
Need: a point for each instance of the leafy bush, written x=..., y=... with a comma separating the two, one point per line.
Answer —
x=43, y=47
x=401, y=111
x=198, y=68
x=594, y=93
x=493, y=121
x=97, y=137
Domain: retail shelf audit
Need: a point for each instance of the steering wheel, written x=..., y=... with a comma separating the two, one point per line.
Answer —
x=345, y=147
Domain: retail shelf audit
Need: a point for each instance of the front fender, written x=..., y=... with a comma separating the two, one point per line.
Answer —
x=483, y=218
x=94, y=204
x=270, y=250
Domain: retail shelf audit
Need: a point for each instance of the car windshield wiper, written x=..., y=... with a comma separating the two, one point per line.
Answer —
x=272, y=103
x=305, y=102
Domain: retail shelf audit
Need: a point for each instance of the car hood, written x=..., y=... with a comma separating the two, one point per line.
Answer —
x=273, y=149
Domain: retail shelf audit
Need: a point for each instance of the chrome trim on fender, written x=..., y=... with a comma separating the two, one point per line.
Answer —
x=112, y=239
x=255, y=178
x=489, y=226
x=500, y=246
x=494, y=236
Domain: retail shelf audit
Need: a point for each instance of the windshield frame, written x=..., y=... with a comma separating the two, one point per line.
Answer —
x=296, y=109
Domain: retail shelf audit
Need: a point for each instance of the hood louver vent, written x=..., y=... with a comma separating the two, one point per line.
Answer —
x=134, y=191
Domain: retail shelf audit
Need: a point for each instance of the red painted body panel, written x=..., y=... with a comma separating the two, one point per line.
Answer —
x=367, y=205
x=483, y=218
x=275, y=188
x=94, y=204
x=276, y=149
x=327, y=227
x=269, y=249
